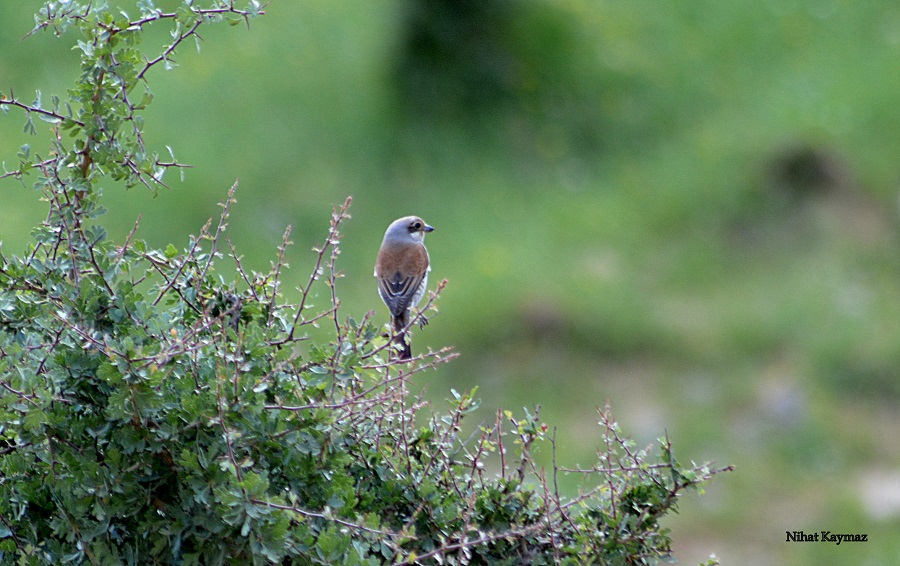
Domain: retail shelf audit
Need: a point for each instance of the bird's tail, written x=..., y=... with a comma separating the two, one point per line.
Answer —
x=400, y=337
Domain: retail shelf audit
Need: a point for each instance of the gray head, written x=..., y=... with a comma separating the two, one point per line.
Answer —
x=406, y=229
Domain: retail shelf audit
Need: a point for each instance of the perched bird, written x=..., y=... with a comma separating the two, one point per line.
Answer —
x=401, y=269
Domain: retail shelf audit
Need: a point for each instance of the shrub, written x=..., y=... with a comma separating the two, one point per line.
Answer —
x=168, y=406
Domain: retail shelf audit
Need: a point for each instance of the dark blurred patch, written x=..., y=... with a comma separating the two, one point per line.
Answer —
x=820, y=184
x=806, y=194
x=471, y=55
x=803, y=171
x=524, y=61
x=453, y=55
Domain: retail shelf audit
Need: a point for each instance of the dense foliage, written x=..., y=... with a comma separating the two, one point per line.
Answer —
x=169, y=406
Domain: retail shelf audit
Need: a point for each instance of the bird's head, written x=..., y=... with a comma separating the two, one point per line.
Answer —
x=407, y=227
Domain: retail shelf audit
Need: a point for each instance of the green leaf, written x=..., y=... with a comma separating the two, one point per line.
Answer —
x=29, y=125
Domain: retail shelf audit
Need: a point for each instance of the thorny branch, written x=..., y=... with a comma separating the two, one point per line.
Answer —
x=149, y=170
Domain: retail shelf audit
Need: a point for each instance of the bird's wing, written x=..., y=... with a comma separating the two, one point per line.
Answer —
x=398, y=292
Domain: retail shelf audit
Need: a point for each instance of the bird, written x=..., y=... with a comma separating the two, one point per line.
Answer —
x=401, y=269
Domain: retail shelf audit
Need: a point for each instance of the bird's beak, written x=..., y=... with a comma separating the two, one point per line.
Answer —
x=427, y=228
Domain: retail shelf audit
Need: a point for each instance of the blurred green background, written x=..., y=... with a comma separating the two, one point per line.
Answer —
x=687, y=210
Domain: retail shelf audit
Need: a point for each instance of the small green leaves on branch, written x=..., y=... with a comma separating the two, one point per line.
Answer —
x=102, y=114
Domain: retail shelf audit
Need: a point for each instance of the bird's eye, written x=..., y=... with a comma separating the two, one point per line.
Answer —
x=417, y=225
